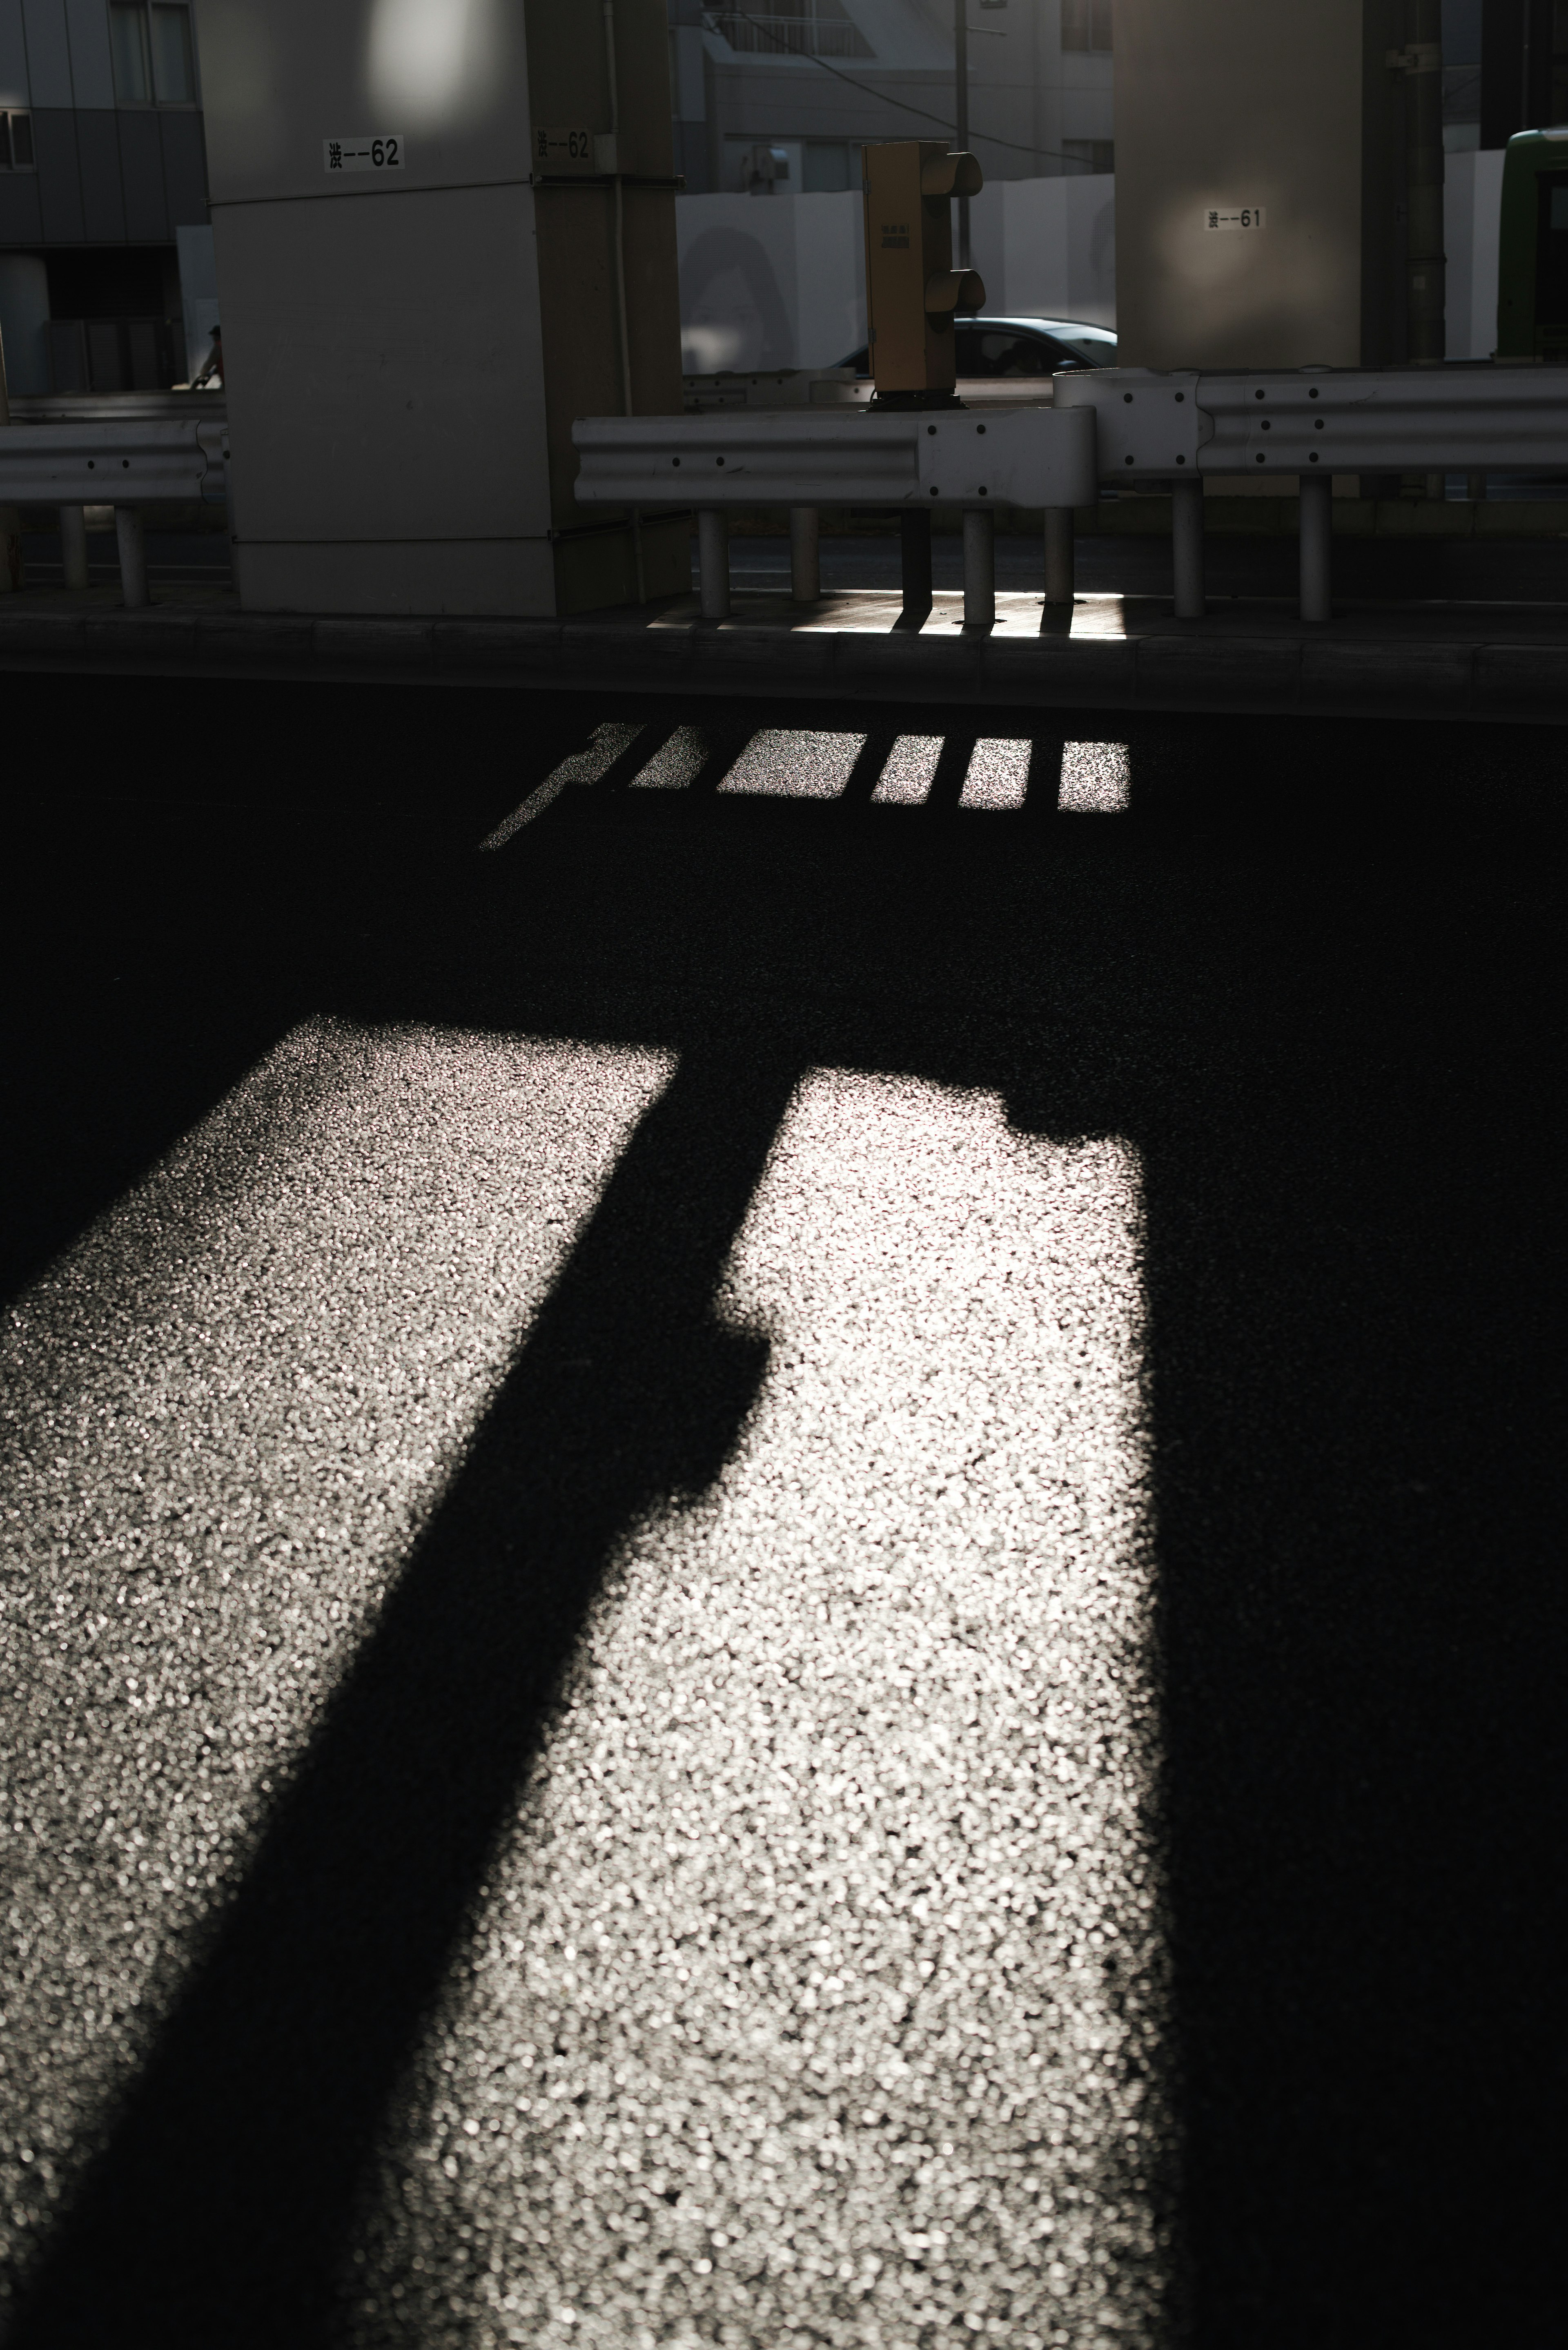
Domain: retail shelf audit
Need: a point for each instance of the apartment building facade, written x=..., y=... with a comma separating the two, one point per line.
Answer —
x=778, y=95
x=105, y=246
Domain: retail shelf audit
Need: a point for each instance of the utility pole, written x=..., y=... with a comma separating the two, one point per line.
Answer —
x=1425, y=268
x=960, y=73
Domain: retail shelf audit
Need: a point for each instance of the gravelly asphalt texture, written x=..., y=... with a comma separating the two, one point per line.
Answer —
x=781, y=1564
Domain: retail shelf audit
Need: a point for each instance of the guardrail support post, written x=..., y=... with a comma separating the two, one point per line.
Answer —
x=1187, y=547
x=915, y=561
x=73, y=544
x=132, y=539
x=1058, y=554
x=713, y=561
x=804, y=555
x=1316, y=528
x=978, y=568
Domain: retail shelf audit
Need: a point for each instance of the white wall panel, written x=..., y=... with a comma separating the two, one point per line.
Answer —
x=779, y=281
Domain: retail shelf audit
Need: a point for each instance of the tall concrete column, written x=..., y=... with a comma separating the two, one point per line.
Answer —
x=441, y=234
x=1257, y=183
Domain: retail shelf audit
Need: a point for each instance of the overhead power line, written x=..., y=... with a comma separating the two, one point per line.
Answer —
x=858, y=81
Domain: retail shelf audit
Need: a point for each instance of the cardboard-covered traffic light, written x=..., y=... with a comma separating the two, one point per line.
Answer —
x=912, y=290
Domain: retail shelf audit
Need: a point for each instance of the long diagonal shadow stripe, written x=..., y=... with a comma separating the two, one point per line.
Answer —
x=219, y=2207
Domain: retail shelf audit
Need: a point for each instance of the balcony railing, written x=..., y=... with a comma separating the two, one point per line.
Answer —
x=818, y=28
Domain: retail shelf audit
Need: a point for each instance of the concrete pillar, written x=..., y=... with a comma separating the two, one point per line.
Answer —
x=474, y=208
x=1260, y=178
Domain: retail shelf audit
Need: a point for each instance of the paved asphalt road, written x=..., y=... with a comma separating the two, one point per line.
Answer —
x=781, y=1564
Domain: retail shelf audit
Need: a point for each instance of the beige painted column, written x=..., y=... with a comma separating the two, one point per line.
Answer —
x=1239, y=182
x=442, y=234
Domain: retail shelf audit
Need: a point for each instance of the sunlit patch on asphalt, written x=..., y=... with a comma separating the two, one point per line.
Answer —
x=678, y=762
x=1096, y=779
x=998, y=774
x=794, y=765
x=588, y=766
x=230, y=1407
x=910, y=770
x=816, y=1993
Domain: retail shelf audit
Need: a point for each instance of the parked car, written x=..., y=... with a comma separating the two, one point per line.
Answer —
x=1009, y=346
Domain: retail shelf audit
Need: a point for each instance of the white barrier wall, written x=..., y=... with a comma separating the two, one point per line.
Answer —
x=780, y=281
x=769, y=281
x=1047, y=248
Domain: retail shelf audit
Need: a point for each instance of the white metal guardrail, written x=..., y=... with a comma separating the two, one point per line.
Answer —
x=107, y=462
x=853, y=456
x=807, y=457
x=1314, y=423
x=1172, y=427
x=1427, y=420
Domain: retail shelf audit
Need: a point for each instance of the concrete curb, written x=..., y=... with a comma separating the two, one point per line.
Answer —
x=1317, y=675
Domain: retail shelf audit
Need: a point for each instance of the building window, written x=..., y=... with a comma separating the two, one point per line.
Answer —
x=1091, y=154
x=154, y=61
x=796, y=28
x=1086, y=24
x=16, y=142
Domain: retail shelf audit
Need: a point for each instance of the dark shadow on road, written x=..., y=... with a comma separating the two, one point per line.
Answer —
x=196, y=865
x=1311, y=977
x=222, y=2210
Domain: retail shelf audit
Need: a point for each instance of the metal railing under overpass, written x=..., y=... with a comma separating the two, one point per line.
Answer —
x=1104, y=425
x=124, y=464
x=1109, y=425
